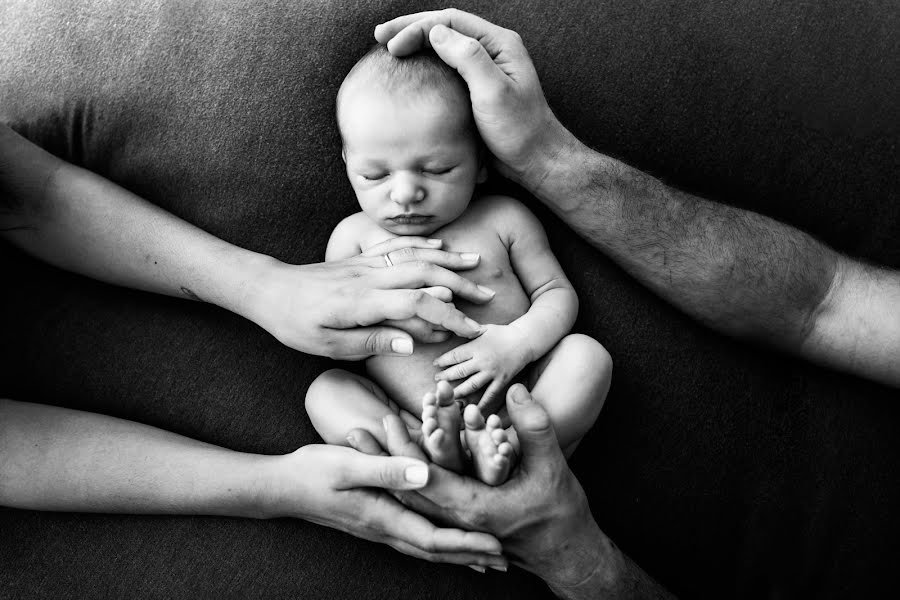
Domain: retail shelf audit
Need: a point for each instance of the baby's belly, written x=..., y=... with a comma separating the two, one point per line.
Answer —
x=405, y=379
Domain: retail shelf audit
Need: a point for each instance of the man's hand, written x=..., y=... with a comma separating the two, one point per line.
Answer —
x=492, y=360
x=341, y=488
x=510, y=110
x=358, y=307
x=541, y=514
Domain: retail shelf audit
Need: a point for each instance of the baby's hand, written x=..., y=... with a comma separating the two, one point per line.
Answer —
x=494, y=358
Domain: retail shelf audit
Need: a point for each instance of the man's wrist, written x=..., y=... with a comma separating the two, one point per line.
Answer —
x=555, y=148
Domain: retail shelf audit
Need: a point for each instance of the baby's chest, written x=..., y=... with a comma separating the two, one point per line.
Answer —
x=494, y=271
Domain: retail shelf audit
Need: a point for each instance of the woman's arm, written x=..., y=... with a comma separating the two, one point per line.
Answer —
x=78, y=221
x=59, y=459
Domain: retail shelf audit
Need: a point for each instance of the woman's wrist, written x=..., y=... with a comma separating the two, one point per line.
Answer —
x=249, y=277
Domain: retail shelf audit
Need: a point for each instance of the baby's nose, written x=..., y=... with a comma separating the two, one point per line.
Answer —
x=406, y=190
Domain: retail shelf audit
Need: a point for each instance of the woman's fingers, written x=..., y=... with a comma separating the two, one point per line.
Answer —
x=458, y=371
x=420, y=329
x=407, y=241
x=472, y=384
x=421, y=274
x=387, y=472
x=458, y=261
x=408, y=303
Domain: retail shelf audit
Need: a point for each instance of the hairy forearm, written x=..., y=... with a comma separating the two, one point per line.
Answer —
x=548, y=320
x=80, y=222
x=737, y=271
x=59, y=459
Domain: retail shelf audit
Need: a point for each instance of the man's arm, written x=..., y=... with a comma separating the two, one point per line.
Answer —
x=59, y=459
x=737, y=271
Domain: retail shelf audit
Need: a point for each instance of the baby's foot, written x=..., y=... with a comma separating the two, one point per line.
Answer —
x=489, y=445
x=440, y=428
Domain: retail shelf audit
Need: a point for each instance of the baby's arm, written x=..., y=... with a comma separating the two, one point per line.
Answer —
x=495, y=357
x=554, y=304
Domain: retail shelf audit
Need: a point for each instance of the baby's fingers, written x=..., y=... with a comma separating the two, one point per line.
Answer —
x=472, y=384
x=455, y=356
x=491, y=398
x=460, y=371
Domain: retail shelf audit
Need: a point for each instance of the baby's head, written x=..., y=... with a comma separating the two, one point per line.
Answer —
x=410, y=145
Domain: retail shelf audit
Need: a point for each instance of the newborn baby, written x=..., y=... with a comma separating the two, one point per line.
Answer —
x=414, y=157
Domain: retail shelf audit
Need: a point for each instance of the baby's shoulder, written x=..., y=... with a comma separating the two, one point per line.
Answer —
x=349, y=236
x=504, y=213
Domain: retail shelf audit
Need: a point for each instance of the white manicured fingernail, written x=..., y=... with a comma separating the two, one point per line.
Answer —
x=401, y=346
x=433, y=242
x=487, y=290
x=473, y=324
x=477, y=568
x=472, y=256
x=416, y=475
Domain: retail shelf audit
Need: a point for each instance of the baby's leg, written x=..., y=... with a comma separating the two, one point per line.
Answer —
x=339, y=401
x=571, y=382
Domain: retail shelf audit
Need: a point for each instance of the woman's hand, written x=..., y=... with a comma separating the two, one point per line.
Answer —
x=345, y=489
x=366, y=305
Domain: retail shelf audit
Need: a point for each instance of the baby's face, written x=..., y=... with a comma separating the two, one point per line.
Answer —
x=413, y=162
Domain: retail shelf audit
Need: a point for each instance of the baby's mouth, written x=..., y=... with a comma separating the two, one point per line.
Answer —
x=411, y=219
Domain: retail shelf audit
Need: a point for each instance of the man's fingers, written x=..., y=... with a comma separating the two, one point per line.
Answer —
x=389, y=472
x=407, y=34
x=532, y=423
x=469, y=57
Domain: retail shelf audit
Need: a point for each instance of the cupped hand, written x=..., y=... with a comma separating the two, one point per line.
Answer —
x=510, y=110
x=359, y=307
x=541, y=514
x=341, y=488
x=491, y=360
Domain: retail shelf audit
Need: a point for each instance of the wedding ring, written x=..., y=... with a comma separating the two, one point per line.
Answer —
x=387, y=260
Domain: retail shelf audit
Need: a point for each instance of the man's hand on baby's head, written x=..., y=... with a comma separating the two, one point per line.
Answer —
x=491, y=360
x=510, y=110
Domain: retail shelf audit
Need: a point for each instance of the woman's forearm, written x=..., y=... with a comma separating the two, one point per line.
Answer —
x=81, y=222
x=59, y=459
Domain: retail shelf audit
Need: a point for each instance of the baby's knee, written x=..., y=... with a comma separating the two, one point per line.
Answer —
x=586, y=358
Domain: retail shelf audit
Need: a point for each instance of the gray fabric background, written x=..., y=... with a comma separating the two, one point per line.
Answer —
x=725, y=470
